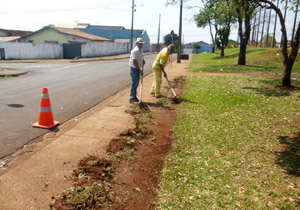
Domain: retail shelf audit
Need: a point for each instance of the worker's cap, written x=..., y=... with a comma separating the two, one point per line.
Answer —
x=139, y=41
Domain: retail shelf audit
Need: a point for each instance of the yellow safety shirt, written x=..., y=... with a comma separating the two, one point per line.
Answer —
x=162, y=58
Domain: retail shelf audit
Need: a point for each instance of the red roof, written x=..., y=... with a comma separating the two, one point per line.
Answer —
x=79, y=33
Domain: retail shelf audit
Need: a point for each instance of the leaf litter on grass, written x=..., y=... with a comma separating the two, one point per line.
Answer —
x=227, y=146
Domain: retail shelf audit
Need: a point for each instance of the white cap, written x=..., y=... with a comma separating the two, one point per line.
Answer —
x=139, y=41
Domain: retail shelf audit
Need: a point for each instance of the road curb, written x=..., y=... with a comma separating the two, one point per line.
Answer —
x=12, y=73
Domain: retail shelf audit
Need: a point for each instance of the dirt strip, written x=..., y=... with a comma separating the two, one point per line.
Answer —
x=44, y=169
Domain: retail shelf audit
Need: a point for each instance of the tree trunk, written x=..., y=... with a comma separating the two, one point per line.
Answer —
x=222, y=50
x=242, y=54
x=288, y=64
x=212, y=38
x=288, y=61
x=286, y=76
x=244, y=37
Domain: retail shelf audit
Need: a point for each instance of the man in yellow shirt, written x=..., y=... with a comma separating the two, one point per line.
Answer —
x=159, y=67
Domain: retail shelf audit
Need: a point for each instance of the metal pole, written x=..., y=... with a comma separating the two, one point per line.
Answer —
x=180, y=31
x=131, y=34
x=275, y=26
x=158, y=34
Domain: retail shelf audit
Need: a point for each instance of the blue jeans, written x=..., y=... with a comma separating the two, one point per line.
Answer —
x=135, y=78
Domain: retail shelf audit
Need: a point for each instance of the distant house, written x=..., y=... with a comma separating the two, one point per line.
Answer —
x=87, y=25
x=105, y=27
x=117, y=33
x=154, y=47
x=8, y=32
x=7, y=35
x=51, y=34
x=10, y=39
x=72, y=42
x=123, y=34
x=189, y=47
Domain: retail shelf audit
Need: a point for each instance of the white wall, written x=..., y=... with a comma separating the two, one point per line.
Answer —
x=17, y=50
x=94, y=49
x=187, y=50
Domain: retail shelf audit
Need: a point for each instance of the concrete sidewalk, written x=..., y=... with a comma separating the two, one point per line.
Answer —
x=43, y=168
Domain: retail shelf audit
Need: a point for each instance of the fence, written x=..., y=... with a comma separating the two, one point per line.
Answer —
x=18, y=50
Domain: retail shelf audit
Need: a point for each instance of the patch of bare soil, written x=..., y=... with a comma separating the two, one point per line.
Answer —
x=130, y=176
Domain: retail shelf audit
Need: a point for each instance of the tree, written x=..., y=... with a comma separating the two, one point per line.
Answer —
x=219, y=14
x=197, y=47
x=169, y=38
x=288, y=58
x=204, y=18
x=244, y=10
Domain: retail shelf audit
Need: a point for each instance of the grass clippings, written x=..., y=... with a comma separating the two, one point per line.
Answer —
x=91, y=187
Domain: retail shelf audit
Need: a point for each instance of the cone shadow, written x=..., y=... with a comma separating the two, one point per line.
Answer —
x=15, y=105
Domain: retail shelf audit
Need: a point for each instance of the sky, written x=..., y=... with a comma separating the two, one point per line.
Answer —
x=32, y=15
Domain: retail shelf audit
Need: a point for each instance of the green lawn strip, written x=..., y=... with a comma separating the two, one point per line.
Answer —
x=1, y=69
x=257, y=60
x=230, y=148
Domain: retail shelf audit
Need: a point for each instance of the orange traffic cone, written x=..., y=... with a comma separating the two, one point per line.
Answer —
x=170, y=59
x=45, y=115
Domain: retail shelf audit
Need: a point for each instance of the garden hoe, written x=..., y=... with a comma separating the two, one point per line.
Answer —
x=175, y=99
x=142, y=105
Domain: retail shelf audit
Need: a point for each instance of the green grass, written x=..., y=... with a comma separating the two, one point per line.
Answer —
x=257, y=60
x=237, y=146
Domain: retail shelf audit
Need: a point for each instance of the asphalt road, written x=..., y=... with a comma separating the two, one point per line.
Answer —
x=73, y=88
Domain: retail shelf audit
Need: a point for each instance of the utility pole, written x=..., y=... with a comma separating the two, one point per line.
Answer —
x=172, y=35
x=180, y=31
x=262, y=31
x=158, y=34
x=274, y=26
x=131, y=34
x=295, y=22
x=268, y=28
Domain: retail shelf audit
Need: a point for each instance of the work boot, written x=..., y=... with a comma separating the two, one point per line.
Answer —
x=134, y=100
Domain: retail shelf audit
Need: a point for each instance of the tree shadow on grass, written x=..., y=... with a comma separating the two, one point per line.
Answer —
x=269, y=92
x=236, y=68
x=274, y=88
x=289, y=158
x=236, y=55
